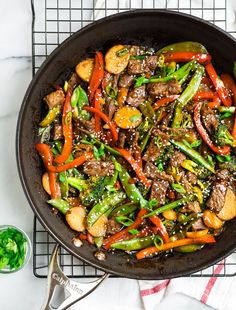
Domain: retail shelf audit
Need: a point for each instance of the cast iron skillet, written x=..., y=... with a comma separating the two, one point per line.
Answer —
x=146, y=27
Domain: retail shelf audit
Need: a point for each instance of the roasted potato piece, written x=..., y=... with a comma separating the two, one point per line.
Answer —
x=99, y=227
x=116, y=64
x=211, y=220
x=84, y=69
x=45, y=183
x=229, y=209
x=75, y=218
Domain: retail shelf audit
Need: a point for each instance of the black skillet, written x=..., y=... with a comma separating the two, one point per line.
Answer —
x=154, y=28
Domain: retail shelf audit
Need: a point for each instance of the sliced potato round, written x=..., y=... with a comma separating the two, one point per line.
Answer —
x=113, y=63
x=211, y=220
x=99, y=227
x=45, y=183
x=128, y=117
x=229, y=209
x=75, y=218
x=84, y=69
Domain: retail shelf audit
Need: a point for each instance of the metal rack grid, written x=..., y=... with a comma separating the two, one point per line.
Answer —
x=54, y=21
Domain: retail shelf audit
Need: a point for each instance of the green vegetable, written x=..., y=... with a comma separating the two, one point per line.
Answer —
x=45, y=133
x=133, y=244
x=187, y=95
x=103, y=206
x=152, y=203
x=160, y=244
x=77, y=183
x=144, y=141
x=178, y=188
x=223, y=136
x=124, y=209
x=223, y=109
x=172, y=205
x=98, y=241
x=111, y=92
x=146, y=109
x=12, y=249
x=131, y=190
x=186, y=46
x=79, y=98
x=99, y=153
x=121, y=53
x=60, y=204
x=197, y=157
x=50, y=117
x=133, y=231
x=124, y=220
x=223, y=159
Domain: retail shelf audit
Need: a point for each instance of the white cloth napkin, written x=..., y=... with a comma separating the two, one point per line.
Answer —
x=216, y=292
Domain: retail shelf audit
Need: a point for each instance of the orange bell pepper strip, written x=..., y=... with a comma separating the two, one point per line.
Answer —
x=97, y=75
x=161, y=227
x=97, y=105
x=106, y=119
x=219, y=86
x=67, y=130
x=124, y=234
x=134, y=164
x=164, y=101
x=46, y=155
x=48, y=159
x=170, y=245
x=186, y=56
x=224, y=150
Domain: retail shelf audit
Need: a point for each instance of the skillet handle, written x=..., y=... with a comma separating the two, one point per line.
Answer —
x=76, y=290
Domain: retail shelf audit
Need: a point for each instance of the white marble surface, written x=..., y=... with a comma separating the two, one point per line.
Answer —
x=22, y=291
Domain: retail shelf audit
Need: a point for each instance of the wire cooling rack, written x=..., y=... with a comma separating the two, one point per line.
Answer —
x=54, y=21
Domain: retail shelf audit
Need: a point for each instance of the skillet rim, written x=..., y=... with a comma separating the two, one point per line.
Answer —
x=51, y=229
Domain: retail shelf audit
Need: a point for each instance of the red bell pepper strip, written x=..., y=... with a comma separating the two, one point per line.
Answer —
x=205, y=80
x=230, y=85
x=186, y=56
x=219, y=86
x=106, y=119
x=137, y=156
x=161, y=228
x=164, y=101
x=67, y=130
x=46, y=154
x=54, y=186
x=203, y=95
x=224, y=150
x=215, y=103
x=135, y=166
x=47, y=157
x=170, y=245
x=97, y=75
x=97, y=105
x=124, y=234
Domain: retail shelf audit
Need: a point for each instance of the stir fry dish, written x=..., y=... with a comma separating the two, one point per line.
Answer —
x=138, y=147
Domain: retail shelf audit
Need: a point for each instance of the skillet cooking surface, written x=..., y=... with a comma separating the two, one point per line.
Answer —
x=143, y=27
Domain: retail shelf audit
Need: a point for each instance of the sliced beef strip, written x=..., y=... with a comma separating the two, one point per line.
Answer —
x=136, y=96
x=55, y=98
x=171, y=87
x=126, y=80
x=209, y=119
x=192, y=206
x=113, y=226
x=158, y=191
x=79, y=149
x=223, y=174
x=132, y=136
x=177, y=158
x=199, y=225
x=186, y=184
x=57, y=132
x=152, y=152
x=98, y=168
x=217, y=197
x=74, y=80
x=121, y=139
x=166, y=120
x=84, y=124
x=152, y=172
x=191, y=177
x=140, y=66
x=177, y=134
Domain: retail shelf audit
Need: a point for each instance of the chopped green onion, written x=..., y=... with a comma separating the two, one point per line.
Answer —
x=133, y=231
x=223, y=159
x=135, y=118
x=178, y=188
x=121, y=53
x=124, y=220
x=160, y=244
x=111, y=92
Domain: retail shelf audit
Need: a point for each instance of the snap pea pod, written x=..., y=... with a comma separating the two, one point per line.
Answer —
x=147, y=109
x=103, y=206
x=77, y=183
x=131, y=190
x=124, y=209
x=169, y=206
x=133, y=244
x=50, y=117
x=194, y=155
x=60, y=204
x=79, y=98
x=188, y=248
x=145, y=139
x=186, y=46
x=187, y=95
